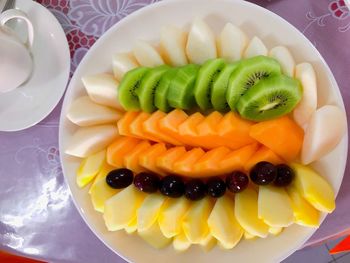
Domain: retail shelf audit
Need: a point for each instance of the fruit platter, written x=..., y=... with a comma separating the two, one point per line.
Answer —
x=201, y=139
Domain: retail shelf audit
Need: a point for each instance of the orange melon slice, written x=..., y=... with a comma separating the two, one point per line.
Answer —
x=170, y=123
x=136, y=127
x=125, y=121
x=188, y=129
x=167, y=159
x=283, y=136
x=207, y=131
x=148, y=158
x=131, y=159
x=263, y=154
x=117, y=150
x=184, y=165
x=151, y=128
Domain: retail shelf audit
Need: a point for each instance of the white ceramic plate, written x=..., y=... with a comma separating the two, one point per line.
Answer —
x=146, y=24
x=32, y=102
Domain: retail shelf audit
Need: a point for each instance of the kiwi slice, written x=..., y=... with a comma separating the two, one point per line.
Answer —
x=220, y=85
x=160, y=98
x=270, y=98
x=127, y=90
x=204, y=83
x=249, y=73
x=148, y=86
x=180, y=94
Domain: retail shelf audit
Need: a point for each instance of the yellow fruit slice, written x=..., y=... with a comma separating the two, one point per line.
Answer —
x=171, y=214
x=223, y=224
x=275, y=230
x=181, y=243
x=89, y=168
x=132, y=227
x=246, y=212
x=154, y=236
x=208, y=242
x=304, y=213
x=120, y=210
x=248, y=236
x=194, y=229
x=274, y=206
x=148, y=213
x=314, y=188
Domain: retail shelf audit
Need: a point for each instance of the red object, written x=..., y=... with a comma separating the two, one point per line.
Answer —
x=343, y=246
x=9, y=258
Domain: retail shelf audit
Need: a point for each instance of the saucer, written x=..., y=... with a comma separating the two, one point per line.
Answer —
x=34, y=100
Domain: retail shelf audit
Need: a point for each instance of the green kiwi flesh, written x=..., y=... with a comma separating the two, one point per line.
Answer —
x=160, y=98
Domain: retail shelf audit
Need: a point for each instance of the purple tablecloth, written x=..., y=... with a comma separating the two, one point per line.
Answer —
x=37, y=215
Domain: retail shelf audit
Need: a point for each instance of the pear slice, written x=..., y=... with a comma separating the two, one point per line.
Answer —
x=326, y=128
x=231, y=43
x=274, y=206
x=194, y=229
x=172, y=45
x=285, y=58
x=148, y=213
x=90, y=167
x=304, y=213
x=223, y=224
x=90, y=140
x=84, y=112
x=131, y=227
x=201, y=44
x=171, y=215
x=208, y=242
x=181, y=243
x=255, y=48
x=246, y=212
x=147, y=55
x=103, y=89
x=122, y=63
x=314, y=188
x=120, y=210
x=154, y=236
x=305, y=73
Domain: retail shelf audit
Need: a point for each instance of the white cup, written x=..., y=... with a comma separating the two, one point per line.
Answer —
x=16, y=63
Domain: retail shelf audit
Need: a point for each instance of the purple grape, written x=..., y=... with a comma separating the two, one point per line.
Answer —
x=263, y=173
x=146, y=182
x=120, y=178
x=195, y=189
x=285, y=175
x=237, y=181
x=216, y=187
x=172, y=186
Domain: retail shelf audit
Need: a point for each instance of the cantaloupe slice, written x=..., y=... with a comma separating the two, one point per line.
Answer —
x=136, y=127
x=166, y=160
x=207, y=131
x=188, y=129
x=170, y=123
x=283, y=136
x=117, y=150
x=235, y=130
x=148, y=158
x=184, y=165
x=263, y=154
x=207, y=165
x=236, y=160
x=131, y=159
x=151, y=128
x=125, y=121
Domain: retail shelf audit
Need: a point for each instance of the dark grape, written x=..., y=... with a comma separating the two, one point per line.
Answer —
x=285, y=175
x=263, y=173
x=195, y=189
x=216, y=187
x=237, y=181
x=120, y=178
x=147, y=182
x=172, y=186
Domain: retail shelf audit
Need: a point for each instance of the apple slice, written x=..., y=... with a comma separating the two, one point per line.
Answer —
x=255, y=48
x=84, y=112
x=231, y=43
x=246, y=211
x=89, y=168
x=326, y=128
x=120, y=210
x=208, y=242
x=103, y=89
x=285, y=58
x=173, y=45
x=314, y=188
x=201, y=44
x=274, y=206
x=223, y=224
x=171, y=214
x=131, y=227
x=147, y=55
x=122, y=63
x=148, y=213
x=89, y=140
x=194, y=229
x=154, y=236
x=304, y=213
x=302, y=113
x=181, y=243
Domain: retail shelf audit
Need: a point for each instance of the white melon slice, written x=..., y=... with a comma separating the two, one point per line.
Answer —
x=148, y=213
x=181, y=243
x=147, y=55
x=89, y=140
x=201, y=44
x=131, y=227
x=122, y=63
x=326, y=128
x=155, y=237
x=285, y=58
x=255, y=48
x=208, y=242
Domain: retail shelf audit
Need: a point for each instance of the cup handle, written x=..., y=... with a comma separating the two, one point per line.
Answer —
x=14, y=13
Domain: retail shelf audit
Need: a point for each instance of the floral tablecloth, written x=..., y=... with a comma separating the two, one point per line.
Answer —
x=37, y=215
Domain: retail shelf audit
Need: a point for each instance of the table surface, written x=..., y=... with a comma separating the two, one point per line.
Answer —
x=37, y=215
